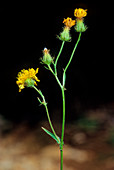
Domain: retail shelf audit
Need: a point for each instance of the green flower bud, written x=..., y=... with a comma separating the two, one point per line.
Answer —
x=47, y=59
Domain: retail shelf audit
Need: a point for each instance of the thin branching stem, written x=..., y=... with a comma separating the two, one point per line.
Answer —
x=48, y=116
x=63, y=92
x=55, y=64
x=64, y=73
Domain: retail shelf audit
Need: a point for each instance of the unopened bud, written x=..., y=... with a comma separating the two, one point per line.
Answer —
x=47, y=59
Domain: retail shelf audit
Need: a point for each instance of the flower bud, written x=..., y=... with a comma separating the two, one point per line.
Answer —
x=47, y=59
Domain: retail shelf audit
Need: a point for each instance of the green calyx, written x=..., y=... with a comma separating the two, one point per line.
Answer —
x=30, y=82
x=80, y=26
x=65, y=34
x=46, y=59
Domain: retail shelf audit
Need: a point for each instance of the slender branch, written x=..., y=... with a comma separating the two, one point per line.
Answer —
x=51, y=124
x=45, y=104
x=71, y=58
x=55, y=64
x=58, y=81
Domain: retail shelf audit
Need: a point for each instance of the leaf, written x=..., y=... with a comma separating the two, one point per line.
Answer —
x=52, y=135
x=46, y=67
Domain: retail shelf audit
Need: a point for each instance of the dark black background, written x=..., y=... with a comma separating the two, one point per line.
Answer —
x=26, y=29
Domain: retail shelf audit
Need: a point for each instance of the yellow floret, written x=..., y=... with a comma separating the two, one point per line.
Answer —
x=24, y=76
x=69, y=22
x=80, y=13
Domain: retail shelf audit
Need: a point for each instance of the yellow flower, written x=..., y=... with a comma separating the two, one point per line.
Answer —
x=80, y=13
x=69, y=22
x=27, y=78
x=65, y=34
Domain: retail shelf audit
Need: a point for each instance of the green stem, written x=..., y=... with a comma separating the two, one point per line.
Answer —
x=71, y=58
x=63, y=93
x=55, y=64
x=63, y=129
x=58, y=81
x=45, y=104
x=61, y=155
x=63, y=121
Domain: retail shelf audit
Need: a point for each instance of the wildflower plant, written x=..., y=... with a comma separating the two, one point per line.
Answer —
x=27, y=78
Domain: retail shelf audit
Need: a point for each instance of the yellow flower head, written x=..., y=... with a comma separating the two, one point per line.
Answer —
x=80, y=13
x=69, y=22
x=27, y=78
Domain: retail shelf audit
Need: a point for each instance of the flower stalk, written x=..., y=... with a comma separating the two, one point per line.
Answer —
x=48, y=116
x=64, y=73
x=55, y=64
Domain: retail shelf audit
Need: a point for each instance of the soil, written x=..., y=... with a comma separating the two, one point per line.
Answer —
x=31, y=149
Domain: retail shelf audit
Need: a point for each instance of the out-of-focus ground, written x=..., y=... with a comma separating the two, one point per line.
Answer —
x=89, y=144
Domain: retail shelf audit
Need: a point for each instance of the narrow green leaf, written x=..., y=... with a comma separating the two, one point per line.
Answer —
x=46, y=67
x=39, y=100
x=52, y=135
